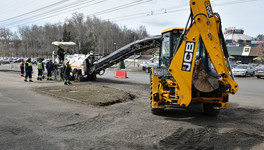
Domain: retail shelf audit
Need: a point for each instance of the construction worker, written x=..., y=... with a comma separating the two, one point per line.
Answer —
x=67, y=69
x=29, y=70
x=49, y=67
x=61, y=54
x=22, y=68
x=40, y=67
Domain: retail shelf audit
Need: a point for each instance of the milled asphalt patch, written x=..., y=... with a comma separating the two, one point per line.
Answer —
x=89, y=94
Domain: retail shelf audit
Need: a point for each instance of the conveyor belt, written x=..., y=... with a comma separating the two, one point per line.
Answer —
x=125, y=52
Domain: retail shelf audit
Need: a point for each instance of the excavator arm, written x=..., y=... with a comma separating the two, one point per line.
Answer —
x=205, y=27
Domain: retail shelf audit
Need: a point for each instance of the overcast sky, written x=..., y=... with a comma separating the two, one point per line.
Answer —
x=155, y=15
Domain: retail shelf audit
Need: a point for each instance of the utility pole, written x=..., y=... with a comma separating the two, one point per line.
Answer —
x=79, y=47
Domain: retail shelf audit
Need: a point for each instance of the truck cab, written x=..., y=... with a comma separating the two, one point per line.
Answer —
x=170, y=38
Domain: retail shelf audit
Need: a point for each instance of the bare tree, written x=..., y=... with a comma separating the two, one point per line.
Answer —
x=91, y=33
x=5, y=36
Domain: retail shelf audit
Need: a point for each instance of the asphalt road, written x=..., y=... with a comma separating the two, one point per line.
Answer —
x=250, y=93
x=29, y=120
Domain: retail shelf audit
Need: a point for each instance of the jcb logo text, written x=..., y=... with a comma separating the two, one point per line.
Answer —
x=188, y=56
x=209, y=9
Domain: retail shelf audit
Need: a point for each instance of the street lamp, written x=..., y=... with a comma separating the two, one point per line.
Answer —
x=114, y=46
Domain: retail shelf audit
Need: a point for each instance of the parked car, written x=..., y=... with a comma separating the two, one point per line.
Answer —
x=34, y=61
x=5, y=61
x=10, y=59
x=234, y=64
x=13, y=60
x=148, y=66
x=259, y=71
x=18, y=60
x=244, y=70
x=45, y=61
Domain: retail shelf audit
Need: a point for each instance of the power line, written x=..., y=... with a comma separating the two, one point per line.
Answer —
x=59, y=9
x=121, y=7
x=101, y=12
x=167, y=11
x=147, y=13
x=51, y=5
x=7, y=7
x=37, y=19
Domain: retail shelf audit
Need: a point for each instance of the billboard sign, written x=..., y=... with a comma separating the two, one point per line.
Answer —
x=246, y=51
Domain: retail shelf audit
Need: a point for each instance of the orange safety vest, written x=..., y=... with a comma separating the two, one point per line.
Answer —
x=21, y=64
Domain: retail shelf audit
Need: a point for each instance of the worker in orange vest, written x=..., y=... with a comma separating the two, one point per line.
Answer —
x=22, y=68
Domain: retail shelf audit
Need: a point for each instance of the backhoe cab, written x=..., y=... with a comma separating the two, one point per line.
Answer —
x=194, y=64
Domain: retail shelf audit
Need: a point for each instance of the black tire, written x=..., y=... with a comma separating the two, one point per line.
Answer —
x=210, y=110
x=91, y=77
x=94, y=77
x=246, y=74
x=158, y=111
x=258, y=77
x=72, y=78
x=77, y=76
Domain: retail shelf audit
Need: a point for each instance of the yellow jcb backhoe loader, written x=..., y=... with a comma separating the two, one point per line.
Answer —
x=194, y=64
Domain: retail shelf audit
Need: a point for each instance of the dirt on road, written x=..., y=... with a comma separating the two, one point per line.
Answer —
x=233, y=129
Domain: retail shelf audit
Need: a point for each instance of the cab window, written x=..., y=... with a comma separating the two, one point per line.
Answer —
x=165, y=50
x=175, y=37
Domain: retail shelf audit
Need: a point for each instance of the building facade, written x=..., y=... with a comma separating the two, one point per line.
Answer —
x=242, y=47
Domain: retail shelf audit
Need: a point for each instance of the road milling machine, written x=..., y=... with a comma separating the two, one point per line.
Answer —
x=80, y=63
x=87, y=66
x=193, y=64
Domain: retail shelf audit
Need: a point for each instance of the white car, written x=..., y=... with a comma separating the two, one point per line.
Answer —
x=244, y=70
x=259, y=72
x=147, y=67
x=45, y=61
